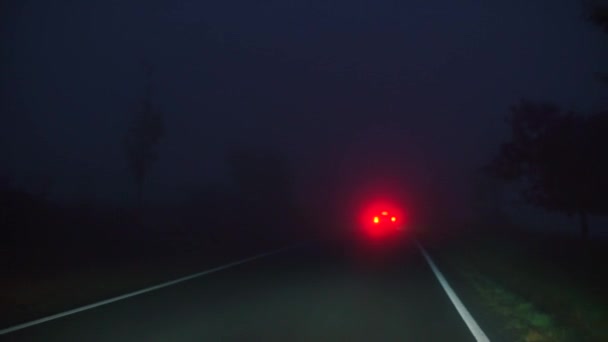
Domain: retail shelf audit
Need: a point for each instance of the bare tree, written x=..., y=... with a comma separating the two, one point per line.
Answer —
x=596, y=11
x=141, y=141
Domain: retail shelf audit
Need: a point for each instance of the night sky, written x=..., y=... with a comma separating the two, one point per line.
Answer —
x=363, y=97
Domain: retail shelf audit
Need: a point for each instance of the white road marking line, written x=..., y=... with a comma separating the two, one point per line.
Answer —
x=142, y=291
x=479, y=335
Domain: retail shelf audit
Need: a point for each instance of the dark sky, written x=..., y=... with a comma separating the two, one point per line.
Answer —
x=387, y=94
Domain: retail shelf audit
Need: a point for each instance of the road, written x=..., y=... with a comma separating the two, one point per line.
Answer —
x=314, y=292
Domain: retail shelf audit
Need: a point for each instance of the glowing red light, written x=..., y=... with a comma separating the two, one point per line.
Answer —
x=378, y=220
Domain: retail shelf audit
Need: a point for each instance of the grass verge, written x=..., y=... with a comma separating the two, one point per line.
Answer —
x=537, y=286
x=520, y=316
x=36, y=289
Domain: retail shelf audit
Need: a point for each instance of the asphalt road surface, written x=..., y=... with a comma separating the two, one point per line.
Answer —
x=314, y=292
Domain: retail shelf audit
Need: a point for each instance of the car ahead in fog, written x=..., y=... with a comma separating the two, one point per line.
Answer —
x=384, y=224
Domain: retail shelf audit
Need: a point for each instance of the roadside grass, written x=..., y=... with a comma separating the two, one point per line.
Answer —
x=24, y=297
x=521, y=317
x=541, y=297
x=36, y=289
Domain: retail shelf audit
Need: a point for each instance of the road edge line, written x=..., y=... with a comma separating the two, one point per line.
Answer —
x=475, y=329
x=139, y=292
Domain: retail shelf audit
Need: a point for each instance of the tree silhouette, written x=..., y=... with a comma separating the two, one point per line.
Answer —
x=597, y=13
x=141, y=142
x=557, y=158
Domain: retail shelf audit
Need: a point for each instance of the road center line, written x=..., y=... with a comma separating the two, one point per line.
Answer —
x=479, y=335
x=139, y=292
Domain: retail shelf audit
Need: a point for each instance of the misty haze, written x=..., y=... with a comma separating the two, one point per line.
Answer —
x=303, y=170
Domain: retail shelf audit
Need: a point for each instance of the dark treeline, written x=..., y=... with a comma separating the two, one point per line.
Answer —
x=255, y=209
x=558, y=160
